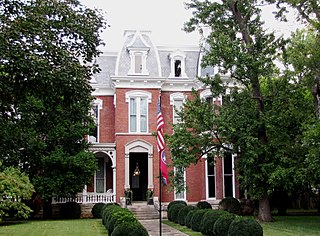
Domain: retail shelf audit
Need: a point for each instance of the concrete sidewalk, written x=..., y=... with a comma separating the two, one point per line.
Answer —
x=153, y=228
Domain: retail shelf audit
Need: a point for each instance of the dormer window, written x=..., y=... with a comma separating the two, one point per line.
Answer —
x=177, y=61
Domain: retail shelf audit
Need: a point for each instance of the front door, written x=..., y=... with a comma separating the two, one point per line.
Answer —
x=138, y=175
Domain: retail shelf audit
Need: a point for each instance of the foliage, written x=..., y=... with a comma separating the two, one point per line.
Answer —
x=173, y=212
x=107, y=211
x=14, y=188
x=204, y=205
x=128, y=195
x=231, y=205
x=70, y=210
x=175, y=202
x=46, y=52
x=245, y=227
x=119, y=217
x=130, y=229
x=197, y=218
x=221, y=226
x=97, y=210
x=189, y=216
x=183, y=214
x=208, y=221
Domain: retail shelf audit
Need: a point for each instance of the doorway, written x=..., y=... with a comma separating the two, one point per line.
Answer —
x=138, y=175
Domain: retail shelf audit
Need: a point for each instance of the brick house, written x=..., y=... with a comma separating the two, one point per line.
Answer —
x=127, y=91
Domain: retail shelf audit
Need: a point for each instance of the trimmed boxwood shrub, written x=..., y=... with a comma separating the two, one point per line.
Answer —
x=197, y=218
x=221, y=226
x=130, y=229
x=183, y=214
x=70, y=210
x=174, y=212
x=209, y=219
x=189, y=217
x=231, y=205
x=245, y=227
x=119, y=217
x=97, y=210
x=107, y=211
x=176, y=202
x=204, y=205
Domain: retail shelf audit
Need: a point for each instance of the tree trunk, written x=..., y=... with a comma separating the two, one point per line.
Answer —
x=264, y=209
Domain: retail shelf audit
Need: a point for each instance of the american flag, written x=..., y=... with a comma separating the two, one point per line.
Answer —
x=160, y=145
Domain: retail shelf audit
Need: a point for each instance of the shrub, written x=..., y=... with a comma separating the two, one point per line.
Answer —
x=197, y=218
x=107, y=211
x=119, y=217
x=174, y=212
x=189, y=217
x=175, y=202
x=209, y=219
x=97, y=210
x=183, y=214
x=245, y=227
x=231, y=205
x=130, y=229
x=221, y=226
x=204, y=205
x=70, y=210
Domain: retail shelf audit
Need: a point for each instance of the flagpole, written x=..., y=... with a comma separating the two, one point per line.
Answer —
x=160, y=198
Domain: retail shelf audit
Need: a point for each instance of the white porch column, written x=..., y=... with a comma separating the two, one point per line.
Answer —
x=126, y=171
x=114, y=176
x=150, y=170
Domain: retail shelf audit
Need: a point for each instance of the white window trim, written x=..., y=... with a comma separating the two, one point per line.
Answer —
x=184, y=191
x=144, y=54
x=207, y=93
x=104, y=176
x=176, y=97
x=99, y=103
x=207, y=182
x=138, y=94
x=233, y=177
x=178, y=55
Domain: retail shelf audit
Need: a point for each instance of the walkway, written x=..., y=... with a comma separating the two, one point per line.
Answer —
x=153, y=228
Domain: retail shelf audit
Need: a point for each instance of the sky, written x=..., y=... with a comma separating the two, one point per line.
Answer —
x=164, y=18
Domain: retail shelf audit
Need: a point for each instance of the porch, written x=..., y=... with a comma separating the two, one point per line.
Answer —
x=86, y=198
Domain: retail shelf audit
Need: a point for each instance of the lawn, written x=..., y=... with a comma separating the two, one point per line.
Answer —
x=292, y=226
x=283, y=226
x=81, y=227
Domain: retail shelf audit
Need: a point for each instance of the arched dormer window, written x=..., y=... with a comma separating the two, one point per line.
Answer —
x=178, y=64
x=138, y=51
x=138, y=110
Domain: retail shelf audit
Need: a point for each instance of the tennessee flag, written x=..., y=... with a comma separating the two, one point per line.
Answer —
x=160, y=145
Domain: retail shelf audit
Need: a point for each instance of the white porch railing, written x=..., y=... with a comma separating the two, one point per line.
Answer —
x=88, y=197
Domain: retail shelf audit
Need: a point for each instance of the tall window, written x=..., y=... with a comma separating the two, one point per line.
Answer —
x=100, y=176
x=138, y=63
x=211, y=179
x=138, y=111
x=95, y=112
x=176, y=109
x=181, y=195
x=178, y=64
x=228, y=175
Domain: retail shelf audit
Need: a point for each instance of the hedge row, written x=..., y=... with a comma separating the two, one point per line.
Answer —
x=214, y=222
x=120, y=221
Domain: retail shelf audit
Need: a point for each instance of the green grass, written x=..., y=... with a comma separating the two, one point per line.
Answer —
x=82, y=227
x=292, y=226
x=183, y=229
x=283, y=226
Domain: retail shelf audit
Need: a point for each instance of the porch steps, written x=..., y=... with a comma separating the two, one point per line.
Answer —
x=142, y=211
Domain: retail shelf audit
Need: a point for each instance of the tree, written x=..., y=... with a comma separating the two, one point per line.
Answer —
x=46, y=48
x=14, y=188
x=238, y=45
